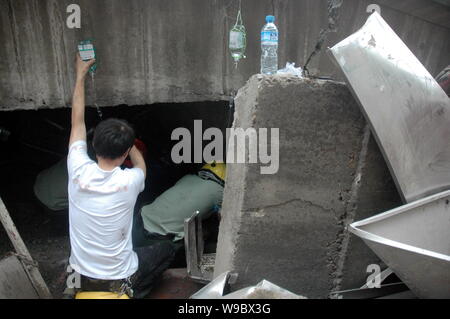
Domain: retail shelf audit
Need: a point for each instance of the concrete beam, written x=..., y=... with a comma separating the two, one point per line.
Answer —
x=173, y=50
x=289, y=228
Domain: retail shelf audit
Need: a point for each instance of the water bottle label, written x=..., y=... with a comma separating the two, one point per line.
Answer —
x=269, y=37
x=236, y=40
x=86, y=51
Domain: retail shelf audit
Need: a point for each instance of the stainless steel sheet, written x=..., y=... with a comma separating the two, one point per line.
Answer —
x=408, y=111
x=414, y=241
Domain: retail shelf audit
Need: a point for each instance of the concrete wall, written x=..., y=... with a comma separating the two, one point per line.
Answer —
x=289, y=227
x=154, y=51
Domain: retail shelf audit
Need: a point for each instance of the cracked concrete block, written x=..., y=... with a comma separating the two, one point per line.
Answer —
x=288, y=227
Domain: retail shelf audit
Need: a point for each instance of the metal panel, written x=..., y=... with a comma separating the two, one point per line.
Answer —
x=414, y=241
x=200, y=267
x=408, y=111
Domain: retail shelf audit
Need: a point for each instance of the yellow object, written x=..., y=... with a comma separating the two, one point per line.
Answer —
x=99, y=295
x=219, y=169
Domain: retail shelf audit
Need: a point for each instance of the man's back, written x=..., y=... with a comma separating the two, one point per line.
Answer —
x=100, y=213
x=101, y=205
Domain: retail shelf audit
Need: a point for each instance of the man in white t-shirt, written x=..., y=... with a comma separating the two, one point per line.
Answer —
x=101, y=203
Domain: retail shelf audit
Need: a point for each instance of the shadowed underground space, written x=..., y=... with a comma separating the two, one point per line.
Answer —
x=33, y=141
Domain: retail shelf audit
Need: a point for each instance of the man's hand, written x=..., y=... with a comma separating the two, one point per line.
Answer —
x=137, y=159
x=142, y=148
x=82, y=67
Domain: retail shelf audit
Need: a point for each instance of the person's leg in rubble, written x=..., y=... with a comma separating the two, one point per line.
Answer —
x=142, y=239
x=163, y=177
x=153, y=261
x=154, y=222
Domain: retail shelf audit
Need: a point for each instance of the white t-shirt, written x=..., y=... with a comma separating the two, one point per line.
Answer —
x=101, y=207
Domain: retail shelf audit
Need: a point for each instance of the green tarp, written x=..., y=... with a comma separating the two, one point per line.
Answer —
x=51, y=186
x=166, y=214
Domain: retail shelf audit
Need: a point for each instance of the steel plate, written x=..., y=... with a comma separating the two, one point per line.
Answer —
x=414, y=241
x=408, y=111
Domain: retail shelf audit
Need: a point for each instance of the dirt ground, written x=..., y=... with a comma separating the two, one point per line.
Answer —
x=44, y=233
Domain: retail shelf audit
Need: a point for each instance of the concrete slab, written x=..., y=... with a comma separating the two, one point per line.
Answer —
x=377, y=193
x=14, y=281
x=174, y=50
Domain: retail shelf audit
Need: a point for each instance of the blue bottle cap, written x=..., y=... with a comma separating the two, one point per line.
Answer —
x=270, y=19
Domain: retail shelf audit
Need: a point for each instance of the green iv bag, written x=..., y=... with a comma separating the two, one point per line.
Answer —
x=87, y=52
x=238, y=40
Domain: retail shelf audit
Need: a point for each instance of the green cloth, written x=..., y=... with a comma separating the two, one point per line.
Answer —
x=51, y=186
x=166, y=214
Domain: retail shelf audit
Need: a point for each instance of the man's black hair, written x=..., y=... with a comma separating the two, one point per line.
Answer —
x=112, y=138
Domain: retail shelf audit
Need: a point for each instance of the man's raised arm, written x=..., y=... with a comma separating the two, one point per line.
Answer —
x=78, y=131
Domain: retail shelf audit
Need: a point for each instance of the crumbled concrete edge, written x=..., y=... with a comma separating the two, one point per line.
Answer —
x=236, y=175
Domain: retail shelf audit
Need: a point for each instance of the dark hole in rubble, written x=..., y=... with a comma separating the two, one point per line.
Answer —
x=38, y=139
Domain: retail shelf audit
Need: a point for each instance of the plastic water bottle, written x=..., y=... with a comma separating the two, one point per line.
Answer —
x=269, y=47
x=87, y=52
